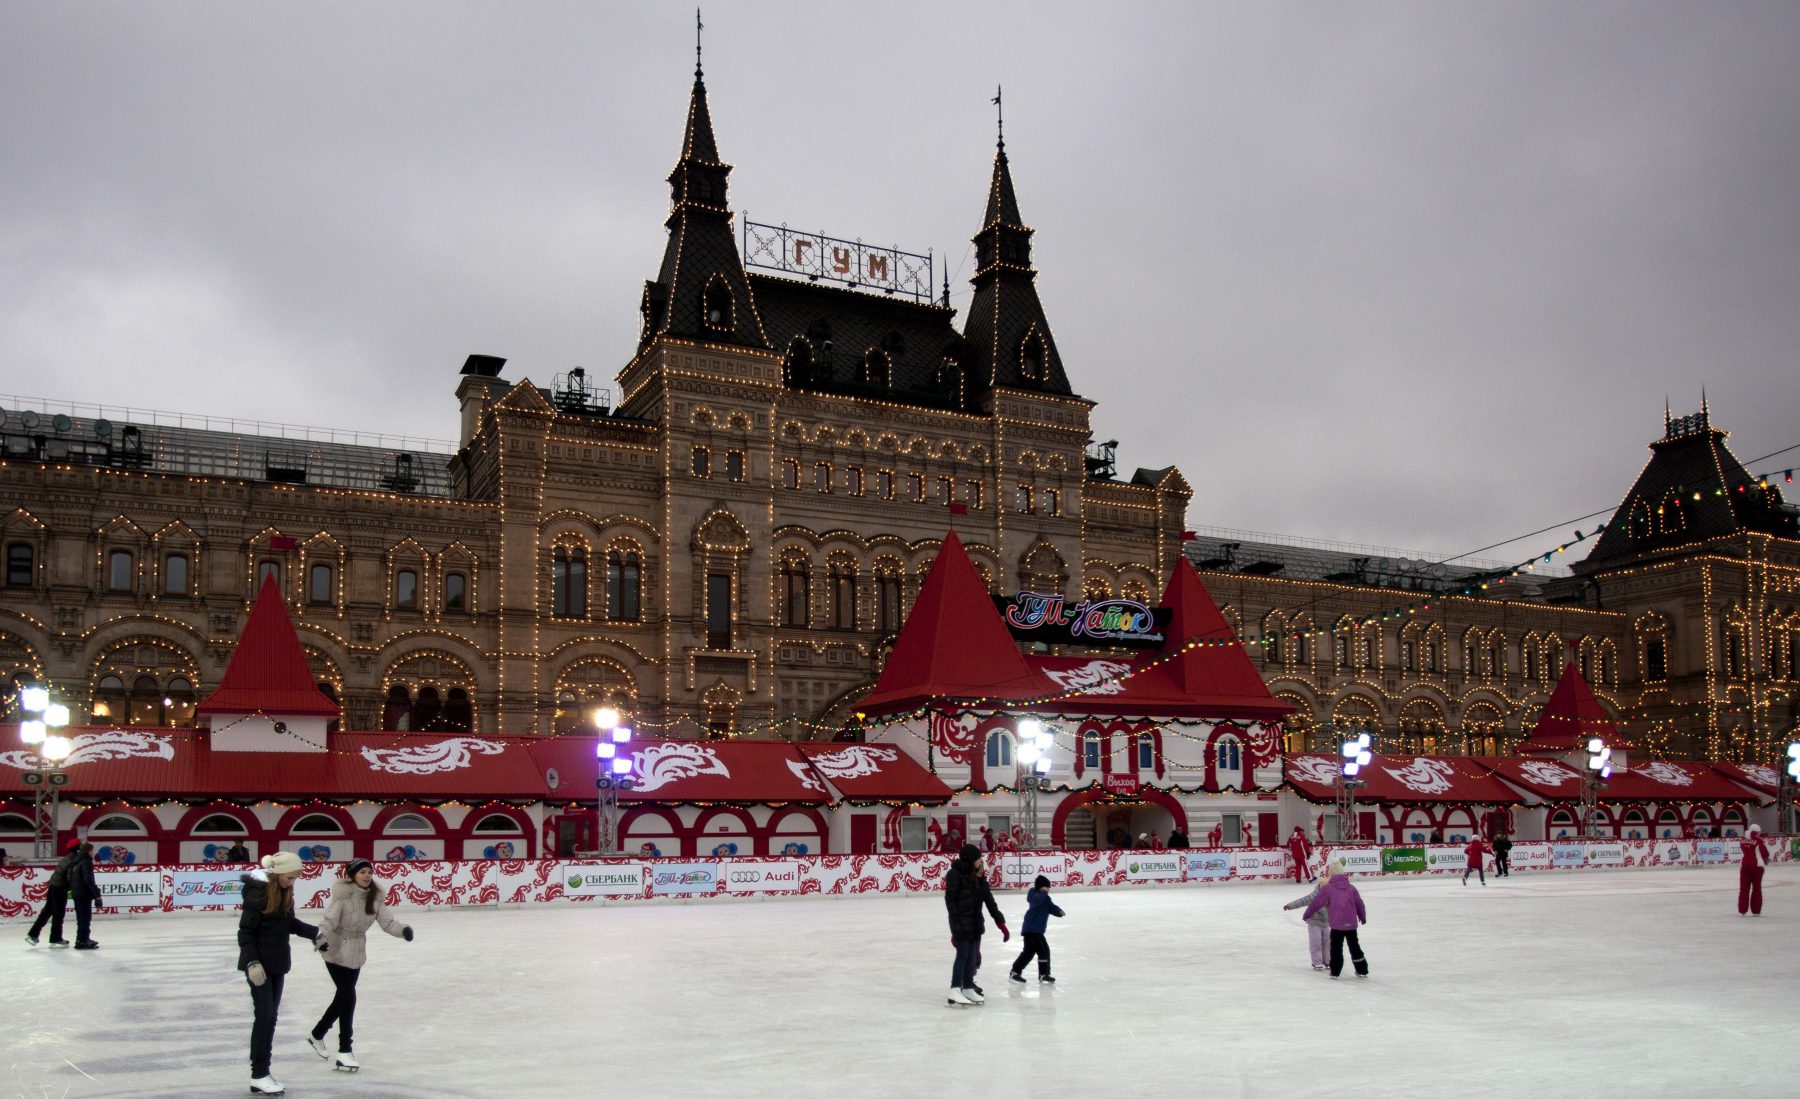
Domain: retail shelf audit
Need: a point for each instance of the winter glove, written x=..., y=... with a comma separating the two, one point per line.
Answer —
x=1005, y=935
x=321, y=945
x=406, y=933
x=254, y=971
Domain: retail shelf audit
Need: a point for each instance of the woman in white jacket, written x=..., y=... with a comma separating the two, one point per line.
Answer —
x=356, y=905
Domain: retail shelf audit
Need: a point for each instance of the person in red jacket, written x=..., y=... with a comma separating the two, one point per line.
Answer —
x=1750, y=872
x=1473, y=852
x=1302, y=853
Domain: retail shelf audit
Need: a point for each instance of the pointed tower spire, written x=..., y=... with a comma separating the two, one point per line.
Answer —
x=701, y=292
x=1006, y=327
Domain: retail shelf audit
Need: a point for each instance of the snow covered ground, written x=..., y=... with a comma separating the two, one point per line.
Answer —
x=1628, y=983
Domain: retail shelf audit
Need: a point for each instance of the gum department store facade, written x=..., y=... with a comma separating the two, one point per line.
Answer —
x=738, y=540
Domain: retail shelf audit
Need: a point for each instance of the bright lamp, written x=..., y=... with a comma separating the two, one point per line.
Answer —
x=621, y=734
x=34, y=699
x=1028, y=754
x=1029, y=728
x=55, y=749
x=605, y=749
x=621, y=766
x=56, y=715
x=31, y=732
x=606, y=718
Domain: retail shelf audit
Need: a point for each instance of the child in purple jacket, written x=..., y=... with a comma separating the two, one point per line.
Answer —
x=1344, y=911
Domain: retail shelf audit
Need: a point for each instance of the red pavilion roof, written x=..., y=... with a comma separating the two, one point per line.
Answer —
x=268, y=673
x=1570, y=719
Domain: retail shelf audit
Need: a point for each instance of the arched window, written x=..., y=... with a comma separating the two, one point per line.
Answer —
x=1090, y=750
x=843, y=597
x=146, y=701
x=221, y=824
x=459, y=713
x=268, y=570
x=796, y=598
x=1230, y=757
x=428, y=709
x=1146, y=752
x=1031, y=360
x=797, y=368
x=456, y=591
x=717, y=309
x=12, y=824
x=317, y=824
x=999, y=749
x=1340, y=649
x=878, y=372
x=406, y=589
x=497, y=822
x=1529, y=653
x=178, y=702
x=118, y=822
x=410, y=824
x=887, y=603
x=624, y=572
x=119, y=573
x=319, y=591
x=568, y=582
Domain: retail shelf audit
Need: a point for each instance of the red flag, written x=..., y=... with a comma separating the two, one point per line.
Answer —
x=1188, y=536
x=959, y=509
x=279, y=542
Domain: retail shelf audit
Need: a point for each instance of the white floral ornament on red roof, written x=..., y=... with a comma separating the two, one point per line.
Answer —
x=93, y=747
x=660, y=764
x=431, y=759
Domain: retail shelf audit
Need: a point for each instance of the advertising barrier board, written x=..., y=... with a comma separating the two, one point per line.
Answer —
x=1152, y=866
x=1446, y=858
x=1402, y=860
x=200, y=888
x=1202, y=865
x=1359, y=860
x=763, y=877
x=677, y=879
x=130, y=888
x=1606, y=854
x=1529, y=856
x=1568, y=854
x=612, y=879
x=1259, y=864
x=1709, y=851
x=1022, y=870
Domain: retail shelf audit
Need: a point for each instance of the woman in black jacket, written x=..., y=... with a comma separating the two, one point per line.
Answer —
x=965, y=892
x=264, y=926
x=86, y=893
x=56, y=901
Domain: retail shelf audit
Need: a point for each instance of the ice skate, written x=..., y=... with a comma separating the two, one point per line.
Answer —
x=974, y=996
x=957, y=999
x=345, y=1062
x=1015, y=978
x=59, y=942
x=979, y=991
x=319, y=1047
x=86, y=944
x=32, y=939
x=1046, y=979
x=266, y=1085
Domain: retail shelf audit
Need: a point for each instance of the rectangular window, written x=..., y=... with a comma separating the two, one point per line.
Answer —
x=912, y=834
x=406, y=589
x=456, y=591
x=718, y=610
x=1022, y=499
x=972, y=493
x=916, y=482
x=822, y=476
x=998, y=824
x=734, y=465
x=1656, y=660
x=319, y=592
x=267, y=569
x=175, y=574
x=888, y=604
x=884, y=484
x=119, y=570
x=790, y=472
x=946, y=490
x=856, y=481
x=700, y=462
x=1234, y=827
x=19, y=559
x=1052, y=502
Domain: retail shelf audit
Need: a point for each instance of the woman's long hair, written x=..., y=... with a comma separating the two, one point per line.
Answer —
x=369, y=897
x=278, y=899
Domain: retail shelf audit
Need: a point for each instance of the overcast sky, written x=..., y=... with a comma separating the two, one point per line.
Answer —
x=1416, y=275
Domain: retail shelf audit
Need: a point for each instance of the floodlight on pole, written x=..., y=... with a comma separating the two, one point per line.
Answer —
x=1029, y=728
x=56, y=715
x=605, y=749
x=1793, y=765
x=606, y=718
x=621, y=734
x=1028, y=754
x=55, y=748
x=32, y=732
x=621, y=766
x=33, y=700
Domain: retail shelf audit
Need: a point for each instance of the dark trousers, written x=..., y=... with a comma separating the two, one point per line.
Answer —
x=1338, y=939
x=1501, y=868
x=56, y=903
x=343, y=1006
x=1749, y=888
x=1476, y=870
x=968, y=951
x=84, y=916
x=1035, y=946
x=267, y=1000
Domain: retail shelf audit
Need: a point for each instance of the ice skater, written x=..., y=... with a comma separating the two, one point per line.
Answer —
x=1038, y=910
x=1344, y=910
x=56, y=901
x=965, y=893
x=1502, y=855
x=1318, y=928
x=84, y=890
x=356, y=905
x=1472, y=854
x=1750, y=872
x=1301, y=851
x=264, y=925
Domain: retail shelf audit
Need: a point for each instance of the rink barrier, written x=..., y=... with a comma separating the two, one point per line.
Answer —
x=211, y=888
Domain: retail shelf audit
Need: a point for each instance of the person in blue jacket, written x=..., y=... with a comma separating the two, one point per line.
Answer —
x=1038, y=910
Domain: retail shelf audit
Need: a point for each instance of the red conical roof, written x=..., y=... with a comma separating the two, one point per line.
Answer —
x=268, y=673
x=954, y=644
x=1216, y=672
x=1571, y=717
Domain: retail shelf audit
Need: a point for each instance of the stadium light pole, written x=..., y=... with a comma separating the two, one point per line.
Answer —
x=46, y=779
x=1353, y=755
x=1599, y=769
x=1790, y=778
x=1030, y=763
x=615, y=773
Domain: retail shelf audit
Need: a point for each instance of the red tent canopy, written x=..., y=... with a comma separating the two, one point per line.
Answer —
x=681, y=771
x=1668, y=779
x=875, y=772
x=1571, y=718
x=953, y=645
x=1761, y=777
x=1402, y=780
x=268, y=673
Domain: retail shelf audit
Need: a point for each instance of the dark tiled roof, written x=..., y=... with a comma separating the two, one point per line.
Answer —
x=1005, y=315
x=915, y=338
x=1661, y=511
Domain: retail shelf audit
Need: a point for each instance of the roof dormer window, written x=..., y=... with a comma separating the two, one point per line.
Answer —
x=716, y=306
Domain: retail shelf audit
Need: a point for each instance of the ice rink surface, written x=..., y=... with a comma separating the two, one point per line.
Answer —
x=1626, y=983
